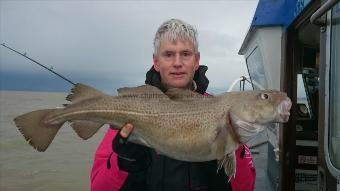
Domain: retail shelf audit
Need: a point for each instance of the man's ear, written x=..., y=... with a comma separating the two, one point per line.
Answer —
x=155, y=62
x=197, y=60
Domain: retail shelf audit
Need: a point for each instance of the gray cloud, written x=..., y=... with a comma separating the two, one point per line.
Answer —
x=111, y=41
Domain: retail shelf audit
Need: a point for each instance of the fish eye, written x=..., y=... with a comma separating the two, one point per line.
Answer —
x=264, y=96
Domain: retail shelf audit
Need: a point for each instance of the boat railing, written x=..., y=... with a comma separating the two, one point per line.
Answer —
x=314, y=19
x=242, y=81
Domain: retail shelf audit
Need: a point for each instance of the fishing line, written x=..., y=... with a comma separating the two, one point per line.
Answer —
x=36, y=62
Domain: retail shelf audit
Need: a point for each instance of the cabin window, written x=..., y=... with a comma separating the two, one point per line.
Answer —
x=303, y=106
x=256, y=70
x=334, y=90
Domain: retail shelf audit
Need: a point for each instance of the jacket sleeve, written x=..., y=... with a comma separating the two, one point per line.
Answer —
x=244, y=179
x=102, y=178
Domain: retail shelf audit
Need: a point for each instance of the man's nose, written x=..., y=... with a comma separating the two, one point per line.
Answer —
x=178, y=62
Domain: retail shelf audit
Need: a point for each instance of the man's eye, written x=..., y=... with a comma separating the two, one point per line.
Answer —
x=168, y=54
x=186, y=54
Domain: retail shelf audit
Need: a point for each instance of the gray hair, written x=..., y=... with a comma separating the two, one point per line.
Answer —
x=173, y=30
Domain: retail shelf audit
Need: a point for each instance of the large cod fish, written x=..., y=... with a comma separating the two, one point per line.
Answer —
x=180, y=124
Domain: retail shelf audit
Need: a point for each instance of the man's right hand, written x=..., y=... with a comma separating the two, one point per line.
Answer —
x=131, y=157
x=126, y=130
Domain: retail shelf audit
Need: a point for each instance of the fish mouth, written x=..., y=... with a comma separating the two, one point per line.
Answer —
x=283, y=110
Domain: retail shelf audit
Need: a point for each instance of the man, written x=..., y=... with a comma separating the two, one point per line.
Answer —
x=120, y=165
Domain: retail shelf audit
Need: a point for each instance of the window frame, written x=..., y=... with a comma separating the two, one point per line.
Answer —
x=257, y=85
x=332, y=169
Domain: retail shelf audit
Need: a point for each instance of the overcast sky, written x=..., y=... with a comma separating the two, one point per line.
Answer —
x=108, y=44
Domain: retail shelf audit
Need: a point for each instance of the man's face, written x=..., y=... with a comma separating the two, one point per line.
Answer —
x=176, y=62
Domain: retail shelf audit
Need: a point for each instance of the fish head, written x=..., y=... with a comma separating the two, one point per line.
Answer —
x=255, y=110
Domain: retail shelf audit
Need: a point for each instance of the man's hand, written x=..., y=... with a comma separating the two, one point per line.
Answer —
x=131, y=157
x=126, y=130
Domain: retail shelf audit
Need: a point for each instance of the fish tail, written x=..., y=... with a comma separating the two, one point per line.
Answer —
x=36, y=131
x=85, y=129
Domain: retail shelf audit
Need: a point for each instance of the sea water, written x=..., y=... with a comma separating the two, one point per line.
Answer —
x=65, y=165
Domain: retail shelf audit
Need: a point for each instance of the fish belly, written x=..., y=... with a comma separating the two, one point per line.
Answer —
x=181, y=137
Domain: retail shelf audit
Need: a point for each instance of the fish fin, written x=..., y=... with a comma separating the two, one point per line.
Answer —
x=36, y=132
x=82, y=92
x=229, y=165
x=138, y=140
x=144, y=90
x=213, y=136
x=245, y=130
x=116, y=125
x=85, y=129
x=182, y=94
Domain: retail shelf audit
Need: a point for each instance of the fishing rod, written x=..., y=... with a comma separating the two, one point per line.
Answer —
x=31, y=59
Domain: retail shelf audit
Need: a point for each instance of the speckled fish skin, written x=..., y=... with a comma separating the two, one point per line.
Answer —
x=180, y=124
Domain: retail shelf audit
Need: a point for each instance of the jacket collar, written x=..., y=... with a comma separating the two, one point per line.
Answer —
x=153, y=78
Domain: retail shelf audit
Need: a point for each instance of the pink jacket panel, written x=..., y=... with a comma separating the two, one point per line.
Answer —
x=103, y=179
x=244, y=179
